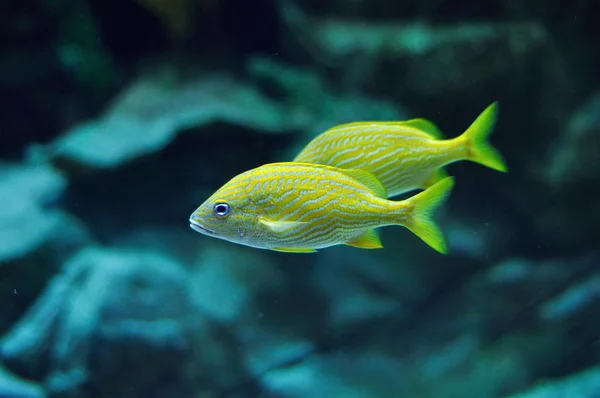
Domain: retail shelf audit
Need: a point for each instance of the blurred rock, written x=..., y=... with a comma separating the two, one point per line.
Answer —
x=40, y=182
x=357, y=293
x=178, y=16
x=228, y=280
x=148, y=116
x=13, y=387
x=82, y=53
x=245, y=290
x=579, y=298
x=384, y=313
x=566, y=175
x=573, y=157
x=54, y=69
x=36, y=236
x=25, y=223
x=417, y=53
x=548, y=305
x=445, y=351
x=177, y=242
x=466, y=364
x=26, y=227
x=380, y=370
x=120, y=323
x=499, y=294
x=346, y=373
x=584, y=384
x=478, y=235
x=362, y=287
x=270, y=350
x=307, y=96
x=490, y=335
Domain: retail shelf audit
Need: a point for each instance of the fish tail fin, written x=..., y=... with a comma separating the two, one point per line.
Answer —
x=421, y=209
x=478, y=148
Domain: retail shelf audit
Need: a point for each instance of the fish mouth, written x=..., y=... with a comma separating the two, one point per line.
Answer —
x=199, y=228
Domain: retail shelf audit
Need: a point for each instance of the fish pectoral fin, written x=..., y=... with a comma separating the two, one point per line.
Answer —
x=368, y=179
x=293, y=250
x=280, y=226
x=434, y=178
x=425, y=126
x=369, y=240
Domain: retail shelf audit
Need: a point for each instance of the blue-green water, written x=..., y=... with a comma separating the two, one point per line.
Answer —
x=119, y=118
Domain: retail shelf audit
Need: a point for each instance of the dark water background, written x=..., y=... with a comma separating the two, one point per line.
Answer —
x=118, y=118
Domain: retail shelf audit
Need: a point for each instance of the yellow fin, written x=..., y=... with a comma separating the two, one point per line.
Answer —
x=425, y=126
x=280, y=226
x=369, y=240
x=367, y=179
x=434, y=178
x=293, y=250
x=476, y=137
x=424, y=205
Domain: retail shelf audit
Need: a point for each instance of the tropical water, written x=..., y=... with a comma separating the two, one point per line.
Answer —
x=120, y=118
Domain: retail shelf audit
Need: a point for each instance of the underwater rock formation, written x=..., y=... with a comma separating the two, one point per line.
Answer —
x=409, y=56
x=119, y=323
x=574, y=158
x=36, y=234
x=584, y=384
x=154, y=110
x=107, y=292
x=14, y=387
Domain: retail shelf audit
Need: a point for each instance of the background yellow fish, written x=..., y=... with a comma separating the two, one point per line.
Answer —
x=297, y=207
x=404, y=155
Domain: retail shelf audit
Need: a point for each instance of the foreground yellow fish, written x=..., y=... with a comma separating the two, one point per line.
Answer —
x=404, y=155
x=298, y=207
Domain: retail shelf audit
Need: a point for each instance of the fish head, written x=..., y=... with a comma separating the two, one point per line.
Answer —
x=229, y=218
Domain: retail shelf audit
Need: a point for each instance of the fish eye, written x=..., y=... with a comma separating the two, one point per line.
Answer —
x=221, y=209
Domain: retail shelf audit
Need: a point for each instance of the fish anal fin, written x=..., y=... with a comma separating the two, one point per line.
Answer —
x=435, y=177
x=279, y=225
x=368, y=179
x=369, y=240
x=293, y=250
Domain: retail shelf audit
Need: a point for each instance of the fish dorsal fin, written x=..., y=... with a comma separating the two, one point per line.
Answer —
x=367, y=179
x=350, y=125
x=420, y=124
x=425, y=126
x=369, y=240
x=278, y=225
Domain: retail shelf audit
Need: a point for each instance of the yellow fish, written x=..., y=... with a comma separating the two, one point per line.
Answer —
x=404, y=155
x=298, y=207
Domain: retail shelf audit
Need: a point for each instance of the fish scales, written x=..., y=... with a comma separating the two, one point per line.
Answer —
x=394, y=165
x=302, y=207
x=404, y=155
